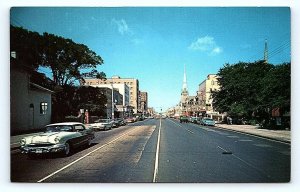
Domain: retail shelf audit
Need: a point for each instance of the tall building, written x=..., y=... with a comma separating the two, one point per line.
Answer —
x=143, y=98
x=111, y=110
x=123, y=89
x=204, y=95
x=132, y=83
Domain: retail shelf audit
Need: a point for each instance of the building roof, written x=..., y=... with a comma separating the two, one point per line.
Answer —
x=36, y=86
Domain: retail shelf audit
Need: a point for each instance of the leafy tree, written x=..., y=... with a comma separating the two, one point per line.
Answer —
x=252, y=88
x=67, y=60
x=276, y=91
x=91, y=98
x=27, y=46
x=69, y=63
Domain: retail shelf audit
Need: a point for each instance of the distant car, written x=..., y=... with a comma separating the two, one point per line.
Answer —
x=120, y=121
x=130, y=120
x=194, y=119
x=183, y=119
x=207, y=121
x=102, y=124
x=58, y=138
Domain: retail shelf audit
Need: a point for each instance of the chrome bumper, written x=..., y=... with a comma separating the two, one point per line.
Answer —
x=43, y=149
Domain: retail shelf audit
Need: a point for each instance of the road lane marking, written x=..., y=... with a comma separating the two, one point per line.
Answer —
x=183, y=127
x=143, y=145
x=232, y=136
x=222, y=149
x=70, y=164
x=156, y=155
x=262, y=145
x=249, y=164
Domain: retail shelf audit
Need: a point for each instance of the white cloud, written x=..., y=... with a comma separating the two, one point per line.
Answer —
x=122, y=26
x=217, y=50
x=137, y=41
x=206, y=44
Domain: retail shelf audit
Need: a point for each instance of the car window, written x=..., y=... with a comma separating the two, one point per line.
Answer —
x=79, y=128
x=58, y=128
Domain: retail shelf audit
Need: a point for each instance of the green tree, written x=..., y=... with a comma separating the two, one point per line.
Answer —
x=276, y=90
x=252, y=88
x=91, y=98
x=69, y=62
x=27, y=46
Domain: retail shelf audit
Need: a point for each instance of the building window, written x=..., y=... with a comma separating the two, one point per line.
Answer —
x=212, y=82
x=43, y=107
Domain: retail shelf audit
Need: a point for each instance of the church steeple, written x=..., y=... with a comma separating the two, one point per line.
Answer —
x=184, y=84
x=184, y=91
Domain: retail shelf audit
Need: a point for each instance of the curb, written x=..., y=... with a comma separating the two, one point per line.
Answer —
x=253, y=134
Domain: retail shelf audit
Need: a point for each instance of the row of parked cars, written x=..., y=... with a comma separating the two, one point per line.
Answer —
x=106, y=124
x=197, y=120
x=64, y=137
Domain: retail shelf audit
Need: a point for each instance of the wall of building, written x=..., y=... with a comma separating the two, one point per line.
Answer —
x=25, y=104
x=19, y=105
x=123, y=89
x=39, y=119
x=133, y=85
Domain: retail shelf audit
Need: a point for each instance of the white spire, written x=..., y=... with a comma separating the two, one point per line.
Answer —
x=184, y=85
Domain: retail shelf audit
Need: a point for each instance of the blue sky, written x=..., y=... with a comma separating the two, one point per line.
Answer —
x=152, y=44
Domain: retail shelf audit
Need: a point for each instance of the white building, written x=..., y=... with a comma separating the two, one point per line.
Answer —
x=123, y=89
x=30, y=103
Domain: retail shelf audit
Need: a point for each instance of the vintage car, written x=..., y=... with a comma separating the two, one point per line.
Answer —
x=58, y=138
x=130, y=120
x=183, y=119
x=102, y=124
x=207, y=121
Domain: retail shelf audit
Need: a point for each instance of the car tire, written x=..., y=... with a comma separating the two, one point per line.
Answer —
x=89, y=143
x=68, y=149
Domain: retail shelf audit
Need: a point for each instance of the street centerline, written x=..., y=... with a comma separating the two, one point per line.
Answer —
x=156, y=155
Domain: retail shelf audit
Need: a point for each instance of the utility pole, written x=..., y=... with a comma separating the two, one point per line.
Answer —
x=266, y=52
x=112, y=102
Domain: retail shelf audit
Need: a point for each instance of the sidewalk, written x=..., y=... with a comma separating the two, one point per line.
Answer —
x=280, y=135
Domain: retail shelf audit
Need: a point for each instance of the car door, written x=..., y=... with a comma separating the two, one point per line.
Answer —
x=83, y=135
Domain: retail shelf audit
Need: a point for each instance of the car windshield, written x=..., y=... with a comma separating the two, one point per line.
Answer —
x=102, y=121
x=208, y=119
x=58, y=128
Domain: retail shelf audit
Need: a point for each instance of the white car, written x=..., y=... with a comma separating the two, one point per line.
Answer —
x=58, y=137
x=102, y=124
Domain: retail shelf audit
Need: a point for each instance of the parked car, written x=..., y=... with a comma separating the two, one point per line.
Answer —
x=102, y=124
x=183, y=119
x=130, y=120
x=58, y=138
x=121, y=122
x=207, y=121
x=194, y=119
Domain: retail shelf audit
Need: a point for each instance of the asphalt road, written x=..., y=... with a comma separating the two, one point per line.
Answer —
x=164, y=150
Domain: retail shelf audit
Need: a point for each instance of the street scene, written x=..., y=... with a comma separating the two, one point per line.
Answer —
x=186, y=153
x=150, y=95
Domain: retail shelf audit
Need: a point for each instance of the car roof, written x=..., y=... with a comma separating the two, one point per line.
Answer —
x=65, y=123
